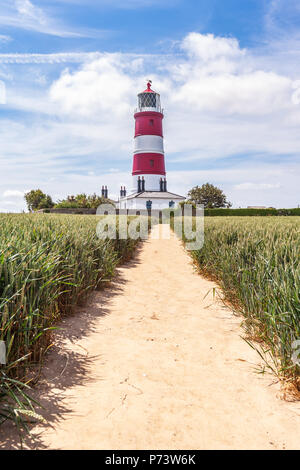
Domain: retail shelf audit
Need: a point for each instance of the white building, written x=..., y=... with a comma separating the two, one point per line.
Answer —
x=159, y=200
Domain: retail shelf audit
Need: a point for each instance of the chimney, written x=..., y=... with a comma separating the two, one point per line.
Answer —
x=143, y=184
x=106, y=192
x=102, y=191
x=139, y=184
x=161, y=184
x=123, y=191
x=165, y=185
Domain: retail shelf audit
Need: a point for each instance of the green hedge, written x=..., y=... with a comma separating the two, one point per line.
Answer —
x=250, y=212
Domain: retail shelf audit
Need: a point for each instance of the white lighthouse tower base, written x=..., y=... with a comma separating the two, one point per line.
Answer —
x=159, y=200
x=152, y=182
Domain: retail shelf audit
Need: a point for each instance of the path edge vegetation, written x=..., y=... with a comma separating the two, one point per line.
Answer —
x=269, y=332
x=48, y=266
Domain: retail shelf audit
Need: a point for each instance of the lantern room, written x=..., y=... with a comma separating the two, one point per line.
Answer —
x=149, y=100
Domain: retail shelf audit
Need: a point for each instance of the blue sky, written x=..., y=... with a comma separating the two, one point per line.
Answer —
x=228, y=73
x=136, y=26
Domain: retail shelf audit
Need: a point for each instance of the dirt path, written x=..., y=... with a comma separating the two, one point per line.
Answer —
x=151, y=364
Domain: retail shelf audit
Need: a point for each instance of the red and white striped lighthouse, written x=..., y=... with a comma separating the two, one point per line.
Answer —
x=148, y=170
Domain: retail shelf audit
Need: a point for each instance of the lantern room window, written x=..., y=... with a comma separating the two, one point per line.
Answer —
x=147, y=100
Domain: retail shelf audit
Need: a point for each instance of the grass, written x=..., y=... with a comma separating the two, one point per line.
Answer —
x=256, y=262
x=48, y=265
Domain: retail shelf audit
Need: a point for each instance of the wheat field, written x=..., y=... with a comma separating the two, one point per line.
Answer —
x=256, y=262
x=48, y=265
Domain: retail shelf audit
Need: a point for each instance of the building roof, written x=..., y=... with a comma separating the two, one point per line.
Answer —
x=154, y=195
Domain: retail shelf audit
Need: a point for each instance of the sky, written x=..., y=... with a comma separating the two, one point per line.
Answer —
x=228, y=72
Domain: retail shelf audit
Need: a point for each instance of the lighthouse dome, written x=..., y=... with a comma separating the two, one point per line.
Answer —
x=149, y=100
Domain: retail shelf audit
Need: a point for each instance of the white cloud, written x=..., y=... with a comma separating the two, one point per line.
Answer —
x=102, y=86
x=243, y=186
x=227, y=83
x=279, y=14
x=207, y=47
x=4, y=38
x=56, y=58
x=256, y=92
x=24, y=14
x=13, y=193
x=2, y=92
x=28, y=11
x=218, y=76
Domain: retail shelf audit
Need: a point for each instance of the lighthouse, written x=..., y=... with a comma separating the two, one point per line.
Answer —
x=149, y=158
x=148, y=170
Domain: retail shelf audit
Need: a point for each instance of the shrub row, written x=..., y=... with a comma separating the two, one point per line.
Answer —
x=251, y=212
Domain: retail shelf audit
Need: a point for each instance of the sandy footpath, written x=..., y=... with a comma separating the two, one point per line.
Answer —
x=149, y=363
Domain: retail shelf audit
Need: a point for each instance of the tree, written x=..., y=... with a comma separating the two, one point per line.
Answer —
x=36, y=199
x=208, y=195
x=95, y=201
x=82, y=201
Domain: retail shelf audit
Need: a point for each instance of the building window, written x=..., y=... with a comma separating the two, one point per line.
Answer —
x=171, y=204
x=149, y=205
x=151, y=122
x=152, y=163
